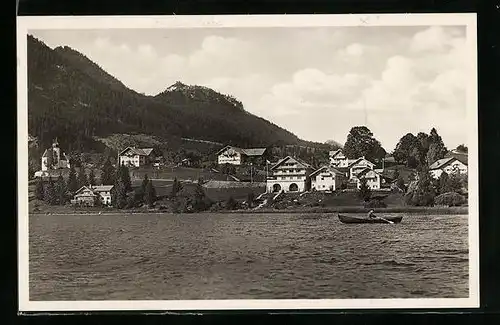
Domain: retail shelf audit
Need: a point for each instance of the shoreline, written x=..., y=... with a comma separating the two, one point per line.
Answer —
x=354, y=210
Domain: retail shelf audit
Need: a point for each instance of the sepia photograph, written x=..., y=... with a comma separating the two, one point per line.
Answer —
x=248, y=162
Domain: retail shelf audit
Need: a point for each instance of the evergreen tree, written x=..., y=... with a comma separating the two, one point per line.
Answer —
x=119, y=198
x=124, y=175
x=199, y=203
x=149, y=194
x=61, y=190
x=91, y=178
x=107, y=174
x=144, y=184
x=176, y=188
x=231, y=203
x=39, y=189
x=250, y=199
x=50, y=193
x=82, y=178
x=437, y=150
x=72, y=180
x=364, y=192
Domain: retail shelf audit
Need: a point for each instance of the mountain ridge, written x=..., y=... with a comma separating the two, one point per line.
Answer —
x=73, y=98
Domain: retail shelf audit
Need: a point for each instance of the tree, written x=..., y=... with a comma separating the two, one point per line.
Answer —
x=250, y=199
x=119, y=195
x=360, y=142
x=82, y=178
x=437, y=146
x=176, y=188
x=91, y=178
x=61, y=190
x=124, y=175
x=423, y=139
x=144, y=183
x=443, y=183
x=231, y=203
x=199, y=203
x=149, y=194
x=364, y=192
x=107, y=177
x=404, y=148
x=413, y=158
x=50, y=193
x=454, y=183
x=434, y=153
x=400, y=183
x=424, y=193
x=72, y=180
x=39, y=189
x=462, y=148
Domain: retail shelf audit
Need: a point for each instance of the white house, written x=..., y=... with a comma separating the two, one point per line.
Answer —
x=136, y=157
x=338, y=159
x=448, y=165
x=289, y=175
x=90, y=195
x=372, y=177
x=54, y=158
x=327, y=178
x=238, y=156
x=358, y=165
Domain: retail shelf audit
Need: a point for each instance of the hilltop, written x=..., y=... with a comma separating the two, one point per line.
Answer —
x=74, y=99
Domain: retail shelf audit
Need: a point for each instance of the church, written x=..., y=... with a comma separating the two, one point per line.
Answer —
x=54, y=158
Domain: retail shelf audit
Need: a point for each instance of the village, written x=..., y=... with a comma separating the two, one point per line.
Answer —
x=285, y=183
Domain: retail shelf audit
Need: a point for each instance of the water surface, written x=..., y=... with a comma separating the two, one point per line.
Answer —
x=245, y=256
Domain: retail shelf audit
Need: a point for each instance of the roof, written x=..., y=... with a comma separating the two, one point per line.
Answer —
x=355, y=161
x=46, y=153
x=329, y=168
x=460, y=156
x=334, y=153
x=367, y=170
x=300, y=161
x=247, y=152
x=137, y=151
x=102, y=188
x=83, y=188
x=441, y=163
x=254, y=151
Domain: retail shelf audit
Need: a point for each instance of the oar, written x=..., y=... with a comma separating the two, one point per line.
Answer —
x=389, y=221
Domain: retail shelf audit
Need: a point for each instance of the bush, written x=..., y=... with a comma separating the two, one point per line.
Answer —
x=450, y=199
x=375, y=204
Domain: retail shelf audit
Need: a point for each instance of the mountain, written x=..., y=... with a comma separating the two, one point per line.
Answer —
x=72, y=98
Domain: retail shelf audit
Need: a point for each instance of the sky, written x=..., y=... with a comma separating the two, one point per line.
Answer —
x=316, y=82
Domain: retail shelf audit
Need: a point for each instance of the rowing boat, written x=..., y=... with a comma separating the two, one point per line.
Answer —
x=349, y=219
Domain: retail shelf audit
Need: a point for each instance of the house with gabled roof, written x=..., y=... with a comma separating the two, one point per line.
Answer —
x=136, y=157
x=238, y=156
x=290, y=174
x=93, y=195
x=327, y=178
x=448, y=165
x=357, y=165
x=338, y=159
x=373, y=178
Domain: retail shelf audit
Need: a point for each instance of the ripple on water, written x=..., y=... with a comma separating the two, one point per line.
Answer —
x=251, y=256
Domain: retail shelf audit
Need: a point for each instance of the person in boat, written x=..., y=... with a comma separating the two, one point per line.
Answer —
x=371, y=215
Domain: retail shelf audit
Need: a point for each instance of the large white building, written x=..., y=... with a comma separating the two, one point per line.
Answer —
x=448, y=165
x=289, y=175
x=327, y=178
x=238, y=156
x=372, y=177
x=54, y=158
x=136, y=157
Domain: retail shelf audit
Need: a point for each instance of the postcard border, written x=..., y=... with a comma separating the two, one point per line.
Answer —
x=25, y=23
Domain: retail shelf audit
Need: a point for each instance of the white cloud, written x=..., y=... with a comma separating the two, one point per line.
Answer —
x=314, y=82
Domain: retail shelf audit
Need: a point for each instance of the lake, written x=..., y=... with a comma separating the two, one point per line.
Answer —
x=245, y=256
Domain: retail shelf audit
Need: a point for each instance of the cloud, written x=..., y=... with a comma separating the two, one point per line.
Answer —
x=317, y=82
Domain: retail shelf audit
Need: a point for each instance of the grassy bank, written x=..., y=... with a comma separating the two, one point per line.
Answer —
x=46, y=209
